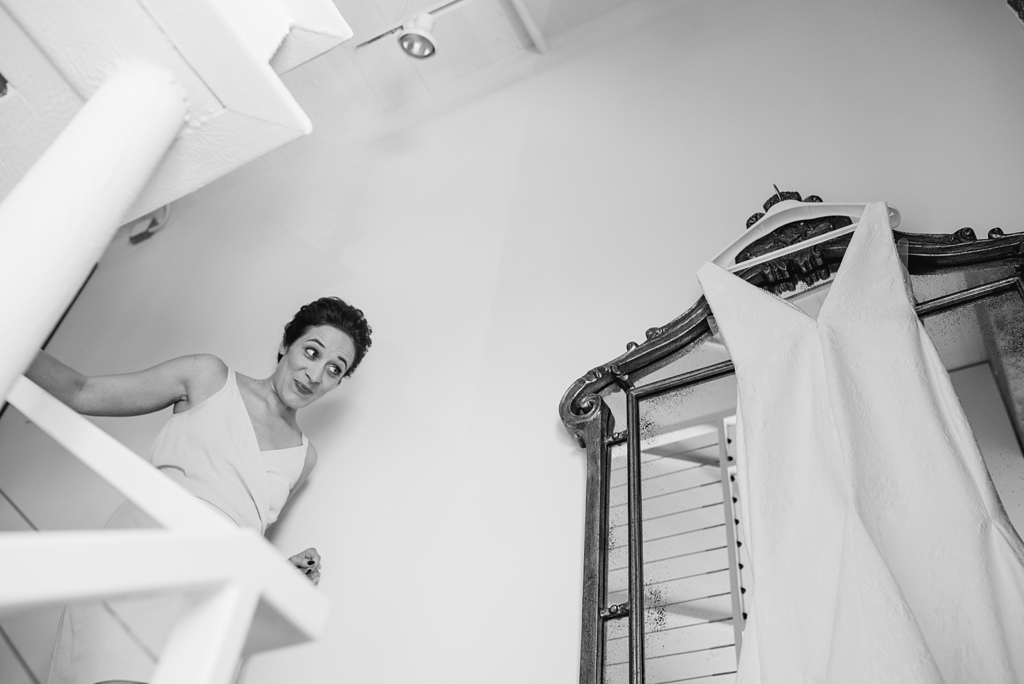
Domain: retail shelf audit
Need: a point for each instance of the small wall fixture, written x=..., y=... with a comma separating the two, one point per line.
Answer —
x=146, y=226
x=416, y=38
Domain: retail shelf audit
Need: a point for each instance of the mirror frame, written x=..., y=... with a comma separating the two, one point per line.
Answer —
x=588, y=419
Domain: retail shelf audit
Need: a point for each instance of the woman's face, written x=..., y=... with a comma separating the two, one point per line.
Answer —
x=313, y=365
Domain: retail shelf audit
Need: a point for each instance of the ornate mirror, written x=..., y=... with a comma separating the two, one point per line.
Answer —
x=665, y=578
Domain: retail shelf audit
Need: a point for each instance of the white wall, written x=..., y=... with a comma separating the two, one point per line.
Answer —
x=503, y=247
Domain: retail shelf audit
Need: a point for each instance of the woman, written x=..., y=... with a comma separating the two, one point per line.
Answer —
x=233, y=442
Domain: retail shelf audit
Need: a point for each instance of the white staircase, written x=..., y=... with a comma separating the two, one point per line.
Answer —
x=112, y=109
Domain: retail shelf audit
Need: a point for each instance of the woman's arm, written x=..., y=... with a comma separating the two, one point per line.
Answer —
x=307, y=468
x=188, y=379
x=309, y=560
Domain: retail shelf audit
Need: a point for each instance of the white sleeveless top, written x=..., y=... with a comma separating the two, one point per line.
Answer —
x=212, y=451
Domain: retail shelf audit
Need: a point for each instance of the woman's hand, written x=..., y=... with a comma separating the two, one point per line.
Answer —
x=309, y=563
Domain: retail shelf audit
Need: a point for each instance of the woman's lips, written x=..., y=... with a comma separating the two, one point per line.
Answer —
x=302, y=388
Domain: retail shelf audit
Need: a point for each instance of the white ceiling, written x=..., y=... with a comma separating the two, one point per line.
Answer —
x=357, y=83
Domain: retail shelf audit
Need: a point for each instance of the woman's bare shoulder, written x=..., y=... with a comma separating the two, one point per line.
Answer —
x=205, y=375
x=208, y=364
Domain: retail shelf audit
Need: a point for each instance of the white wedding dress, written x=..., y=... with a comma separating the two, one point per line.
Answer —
x=878, y=546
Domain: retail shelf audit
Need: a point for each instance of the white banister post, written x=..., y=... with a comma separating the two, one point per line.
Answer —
x=206, y=643
x=56, y=223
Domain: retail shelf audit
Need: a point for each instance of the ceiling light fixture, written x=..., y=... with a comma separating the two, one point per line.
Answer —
x=416, y=38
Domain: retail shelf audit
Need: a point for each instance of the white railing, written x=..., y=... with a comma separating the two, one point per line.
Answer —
x=55, y=224
x=53, y=227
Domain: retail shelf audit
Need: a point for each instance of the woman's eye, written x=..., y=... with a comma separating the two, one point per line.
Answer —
x=334, y=370
x=310, y=352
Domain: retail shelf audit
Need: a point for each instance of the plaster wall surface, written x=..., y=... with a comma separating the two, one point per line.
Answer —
x=504, y=245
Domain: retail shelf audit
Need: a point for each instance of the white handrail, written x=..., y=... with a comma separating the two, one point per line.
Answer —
x=55, y=224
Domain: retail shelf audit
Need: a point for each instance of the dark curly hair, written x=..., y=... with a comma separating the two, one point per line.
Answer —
x=334, y=312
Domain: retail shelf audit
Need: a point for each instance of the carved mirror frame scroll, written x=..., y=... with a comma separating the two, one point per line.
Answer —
x=588, y=417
